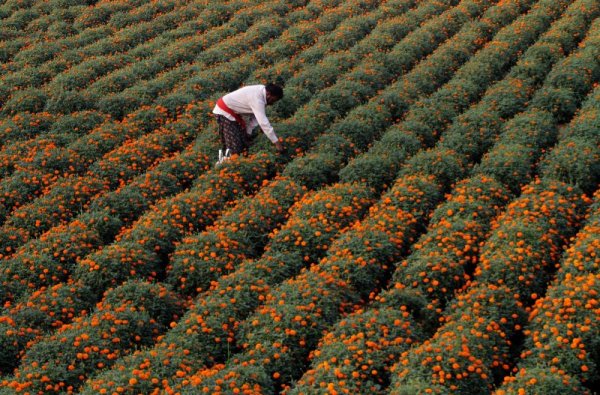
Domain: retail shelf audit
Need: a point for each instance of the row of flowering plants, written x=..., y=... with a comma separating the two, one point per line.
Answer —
x=355, y=355
x=435, y=269
x=366, y=123
x=62, y=88
x=265, y=22
x=560, y=353
x=35, y=57
x=441, y=262
x=521, y=254
x=446, y=103
x=24, y=126
x=301, y=307
x=112, y=162
x=523, y=247
x=320, y=64
x=248, y=26
x=205, y=334
x=128, y=317
x=240, y=234
x=27, y=138
x=353, y=29
x=576, y=159
x=68, y=190
x=221, y=248
x=291, y=47
x=360, y=83
x=51, y=258
x=332, y=55
x=205, y=94
x=532, y=132
x=164, y=53
x=33, y=22
x=38, y=64
x=433, y=114
x=70, y=150
x=106, y=215
x=20, y=19
x=232, y=82
x=560, y=348
x=51, y=146
x=186, y=31
x=45, y=57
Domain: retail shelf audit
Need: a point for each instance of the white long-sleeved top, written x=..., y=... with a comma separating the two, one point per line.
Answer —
x=249, y=102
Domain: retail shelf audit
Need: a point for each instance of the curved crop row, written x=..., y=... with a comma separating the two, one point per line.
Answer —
x=95, y=227
x=45, y=57
x=520, y=254
x=314, y=221
x=120, y=203
x=129, y=317
x=36, y=65
x=249, y=28
x=76, y=152
x=445, y=104
x=500, y=102
x=265, y=27
x=525, y=237
x=540, y=229
x=145, y=250
x=355, y=355
x=320, y=65
x=560, y=351
x=561, y=348
x=58, y=251
x=43, y=133
x=33, y=218
x=21, y=23
x=109, y=159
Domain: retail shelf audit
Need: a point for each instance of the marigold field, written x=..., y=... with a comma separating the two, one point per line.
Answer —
x=433, y=226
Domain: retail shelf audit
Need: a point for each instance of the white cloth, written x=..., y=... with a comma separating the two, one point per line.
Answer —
x=249, y=102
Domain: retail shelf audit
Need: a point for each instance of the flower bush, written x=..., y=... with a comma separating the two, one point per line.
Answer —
x=129, y=317
x=464, y=355
x=576, y=159
x=541, y=380
x=238, y=235
x=27, y=321
x=527, y=237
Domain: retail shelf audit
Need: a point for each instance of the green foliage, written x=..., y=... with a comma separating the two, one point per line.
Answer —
x=574, y=161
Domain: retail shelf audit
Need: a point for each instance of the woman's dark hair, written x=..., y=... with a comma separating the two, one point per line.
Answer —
x=274, y=90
